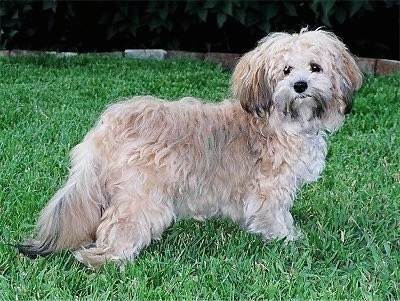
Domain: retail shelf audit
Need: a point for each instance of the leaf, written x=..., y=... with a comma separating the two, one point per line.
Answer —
x=105, y=17
x=327, y=11
x=227, y=8
x=290, y=9
x=185, y=25
x=164, y=11
x=240, y=16
x=221, y=18
x=124, y=9
x=27, y=8
x=152, y=6
x=191, y=7
x=12, y=33
x=9, y=23
x=70, y=10
x=368, y=6
x=210, y=4
x=50, y=5
x=154, y=24
x=326, y=20
x=271, y=11
x=315, y=7
x=31, y=32
x=133, y=17
x=117, y=17
x=50, y=22
x=122, y=28
x=265, y=26
x=111, y=32
x=252, y=19
x=354, y=6
x=168, y=24
x=202, y=14
x=328, y=7
x=340, y=15
x=15, y=15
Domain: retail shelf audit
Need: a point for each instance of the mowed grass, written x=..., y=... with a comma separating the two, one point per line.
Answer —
x=350, y=217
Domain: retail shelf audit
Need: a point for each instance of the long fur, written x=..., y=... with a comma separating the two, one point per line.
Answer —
x=148, y=161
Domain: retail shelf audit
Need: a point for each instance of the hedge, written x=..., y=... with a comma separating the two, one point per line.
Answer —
x=219, y=26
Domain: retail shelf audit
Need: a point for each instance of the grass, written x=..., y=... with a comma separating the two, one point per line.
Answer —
x=351, y=218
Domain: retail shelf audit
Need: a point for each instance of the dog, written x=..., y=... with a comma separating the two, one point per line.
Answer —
x=148, y=161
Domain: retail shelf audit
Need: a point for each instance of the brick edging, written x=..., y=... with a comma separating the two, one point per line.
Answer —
x=369, y=66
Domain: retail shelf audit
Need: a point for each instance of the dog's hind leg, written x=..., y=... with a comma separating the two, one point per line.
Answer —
x=127, y=226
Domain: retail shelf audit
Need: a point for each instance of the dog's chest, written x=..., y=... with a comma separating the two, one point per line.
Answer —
x=307, y=158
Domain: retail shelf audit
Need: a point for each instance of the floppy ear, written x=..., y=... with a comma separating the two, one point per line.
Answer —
x=351, y=82
x=350, y=79
x=250, y=85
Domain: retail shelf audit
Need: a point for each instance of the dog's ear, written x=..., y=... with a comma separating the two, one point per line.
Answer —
x=350, y=76
x=352, y=80
x=250, y=85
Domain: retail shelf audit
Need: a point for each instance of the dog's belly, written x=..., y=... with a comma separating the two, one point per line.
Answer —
x=217, y=196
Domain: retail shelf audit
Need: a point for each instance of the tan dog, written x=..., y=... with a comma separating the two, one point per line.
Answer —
x=148, y=161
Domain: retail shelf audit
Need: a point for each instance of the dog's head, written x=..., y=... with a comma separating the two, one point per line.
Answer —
x=310, y=75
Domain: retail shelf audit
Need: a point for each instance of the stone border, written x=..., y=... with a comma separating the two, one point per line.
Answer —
x=369, y=66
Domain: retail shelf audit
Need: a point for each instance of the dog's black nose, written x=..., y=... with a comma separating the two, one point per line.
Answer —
x=300, y=86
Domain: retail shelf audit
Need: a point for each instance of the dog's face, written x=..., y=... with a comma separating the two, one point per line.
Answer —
x=303, y=77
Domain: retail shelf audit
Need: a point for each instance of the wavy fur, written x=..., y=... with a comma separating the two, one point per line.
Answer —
x=148, y=161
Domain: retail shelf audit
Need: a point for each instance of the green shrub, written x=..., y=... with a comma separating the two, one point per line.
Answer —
x=227, y=26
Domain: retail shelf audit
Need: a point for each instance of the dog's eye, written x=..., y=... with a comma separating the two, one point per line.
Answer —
x=287, y=70
x=315, y=68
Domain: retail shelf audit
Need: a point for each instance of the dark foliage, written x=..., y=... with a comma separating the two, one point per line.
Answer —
x=370, y=28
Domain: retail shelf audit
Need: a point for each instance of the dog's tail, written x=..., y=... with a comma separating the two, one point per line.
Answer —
x=71, y=217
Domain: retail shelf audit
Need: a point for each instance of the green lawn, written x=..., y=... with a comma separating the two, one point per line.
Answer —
x=350, y=217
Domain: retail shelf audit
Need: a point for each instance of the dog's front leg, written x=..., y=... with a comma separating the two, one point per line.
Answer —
x=268, y=214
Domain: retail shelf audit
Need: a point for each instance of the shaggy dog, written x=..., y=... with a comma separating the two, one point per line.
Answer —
x=148, y=161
